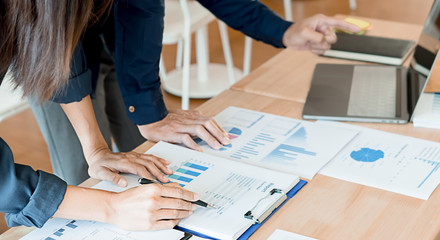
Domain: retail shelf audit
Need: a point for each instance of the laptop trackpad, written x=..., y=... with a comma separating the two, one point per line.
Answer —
x=373, y=92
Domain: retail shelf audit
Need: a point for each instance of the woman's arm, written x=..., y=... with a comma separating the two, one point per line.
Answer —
x=28, y=197
x=147, y=207
x=31, y=197
x=103, y=163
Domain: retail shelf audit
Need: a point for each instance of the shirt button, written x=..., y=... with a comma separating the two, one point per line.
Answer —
x=131, y=109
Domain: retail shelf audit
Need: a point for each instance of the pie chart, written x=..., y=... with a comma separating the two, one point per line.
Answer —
x=233, y=133
x=367, y=155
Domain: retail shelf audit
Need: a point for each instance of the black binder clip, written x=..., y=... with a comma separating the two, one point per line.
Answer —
x=266, y=206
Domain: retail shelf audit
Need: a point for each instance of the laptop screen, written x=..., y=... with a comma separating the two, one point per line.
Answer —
x=429, y=42
x=424, y=57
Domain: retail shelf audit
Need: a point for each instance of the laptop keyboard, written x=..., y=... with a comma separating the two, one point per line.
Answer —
x=373, y=92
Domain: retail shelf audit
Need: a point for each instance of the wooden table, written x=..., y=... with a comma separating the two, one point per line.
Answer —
x=326, y=208
x=329, y=208
x=288, y=75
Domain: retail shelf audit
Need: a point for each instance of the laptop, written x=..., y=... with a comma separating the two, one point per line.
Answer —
x=373, y=93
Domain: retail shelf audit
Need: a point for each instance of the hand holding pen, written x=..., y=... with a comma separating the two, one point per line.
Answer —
x=198, y=202
x=149, y=207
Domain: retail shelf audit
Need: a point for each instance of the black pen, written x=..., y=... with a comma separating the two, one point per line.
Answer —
x=198, y=202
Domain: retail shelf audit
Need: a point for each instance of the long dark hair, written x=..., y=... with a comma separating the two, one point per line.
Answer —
x=37, y=41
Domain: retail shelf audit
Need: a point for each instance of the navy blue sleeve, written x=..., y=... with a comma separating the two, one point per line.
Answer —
x=250, y=17
x=28, y=197
x=80, y=81
x=138, y=39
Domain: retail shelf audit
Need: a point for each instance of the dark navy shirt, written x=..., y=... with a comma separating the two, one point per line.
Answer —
x=27, y=197
x=138, y=45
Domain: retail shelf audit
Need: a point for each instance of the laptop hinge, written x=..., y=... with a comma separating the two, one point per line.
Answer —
x=415, y=86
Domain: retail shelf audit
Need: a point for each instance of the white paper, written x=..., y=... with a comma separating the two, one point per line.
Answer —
x=66, y=229
x=284, y=235
x=278, y=143
x=392, y=162
x=427, y=113
x=231, y=186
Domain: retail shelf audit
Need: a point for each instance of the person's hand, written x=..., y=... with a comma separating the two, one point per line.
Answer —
x=151, y=207
x=181, y=126
x=106, y=165
x=315, y=33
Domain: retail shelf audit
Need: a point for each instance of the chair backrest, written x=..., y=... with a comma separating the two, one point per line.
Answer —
x=184, y=17
x=11, y=100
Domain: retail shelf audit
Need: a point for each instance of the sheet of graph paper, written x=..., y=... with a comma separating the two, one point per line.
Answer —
x=388, y=161
x=279, y=143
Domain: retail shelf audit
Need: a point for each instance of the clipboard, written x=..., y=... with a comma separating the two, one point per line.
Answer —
x=255, y=226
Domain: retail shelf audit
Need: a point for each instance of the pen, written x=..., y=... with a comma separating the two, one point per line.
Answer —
x=198, y=202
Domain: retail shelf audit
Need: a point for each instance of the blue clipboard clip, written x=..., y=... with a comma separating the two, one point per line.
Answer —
x=265, y=206
x=255, y=226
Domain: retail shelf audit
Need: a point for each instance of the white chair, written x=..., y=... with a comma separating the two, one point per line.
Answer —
x=204, y=79
x=353, y=4
x=11, y=100
x=288, y=10
x=247, y=55
x=288, y=16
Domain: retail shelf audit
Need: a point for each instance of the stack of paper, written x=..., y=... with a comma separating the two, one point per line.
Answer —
x=427, y=113
x=68, y=229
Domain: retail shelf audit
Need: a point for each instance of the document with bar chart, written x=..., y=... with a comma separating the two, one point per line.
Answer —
x=67, y=229
x=392, y=162
x=232, y=187
x=427, y=112
x=278, y=143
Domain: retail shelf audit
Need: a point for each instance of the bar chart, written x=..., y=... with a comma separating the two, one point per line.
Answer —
x=429, y=156
x=187, y=172
x=251, y=148
x=436, y=103
x=287, y=154
x=62, y=230
x=292, y=148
